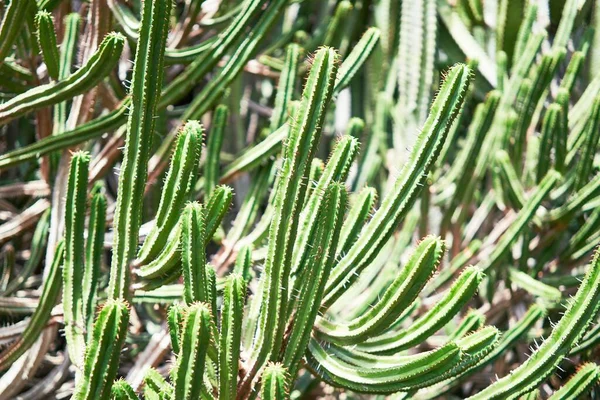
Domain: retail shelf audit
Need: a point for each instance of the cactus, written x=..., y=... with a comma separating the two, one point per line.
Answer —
x=343, y=227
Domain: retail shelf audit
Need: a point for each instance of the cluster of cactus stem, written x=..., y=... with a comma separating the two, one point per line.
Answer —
x=415, y=212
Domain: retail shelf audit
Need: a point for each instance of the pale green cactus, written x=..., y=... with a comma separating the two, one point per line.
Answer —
x=347, y=225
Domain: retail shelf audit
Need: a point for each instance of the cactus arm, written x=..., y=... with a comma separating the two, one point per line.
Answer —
x=9, y=30
x=285, y=87
x=102, y=355
x=336, y=170
x=573, y=69
x=577, y=201
x=145, y=90
x=275, y=383
x=121, y=390
x=97, y=67
x=217, y=206
x=457, y=296
x=567, y=21
x=215, y=140
x=46, y=36
x=398, y=296
x=255, y=155
x=175, y=319
x=50, y=293
x=156, y=387
x=356, y=59
x=82, y=133
x=243, y=263
x=470, y=323
x=590, y=145
x=73, y=271
x=535, y=287
x=178, y=186
x=550, y=133
x=207, y=60
x=511, y=184
x=168, y=258
x=193, y=258
x=586, y=377
x=357, y=216
x=407, y=186
x=304, y=135
x=194, y=342
x=242, y=54
x=581, y=311
x=389, y=379
x=315, y=277
x=93, y=258
x=472, y=149
x=231, y=335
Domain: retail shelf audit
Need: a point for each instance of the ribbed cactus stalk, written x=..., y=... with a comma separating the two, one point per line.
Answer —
x=145, y=92
x=102, y=354
x=74, y=270
x=191, y=362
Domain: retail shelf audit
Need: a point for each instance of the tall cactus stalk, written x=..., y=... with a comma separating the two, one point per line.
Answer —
x=145, y=91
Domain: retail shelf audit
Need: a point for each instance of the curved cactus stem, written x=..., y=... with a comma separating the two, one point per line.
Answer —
x=508, y=340
x=231, y=334
x=398, y=296
x=97, y=67
x=419, y=371
x=80, y=134
x=314, y=278
x=145, y=92
x=581, y=311
x=102, y=354
x=586, y=377
x=176, y=191
x=207, y=60
x=439, y=315
x=50, y=293
x=275, y=383
x=550, y=132
x=191, y=361
x=46, y=36
x=407, y=187
x=74, y=268
x=215, y=140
